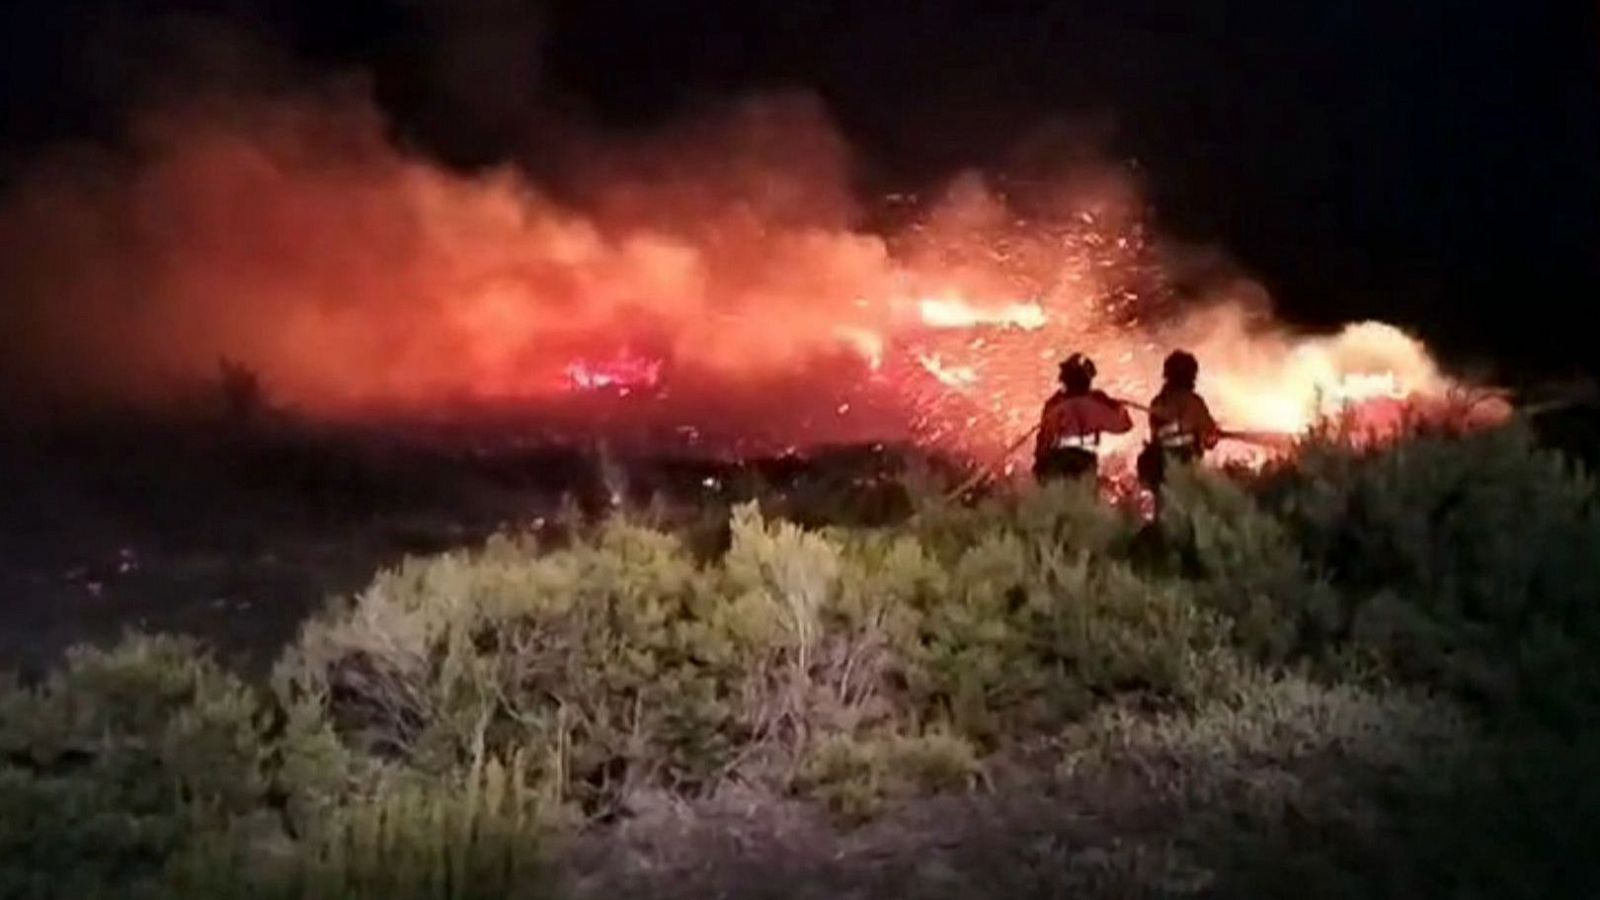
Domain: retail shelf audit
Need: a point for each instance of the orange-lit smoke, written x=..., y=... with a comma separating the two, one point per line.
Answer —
x=721, y=274
x=294, y=237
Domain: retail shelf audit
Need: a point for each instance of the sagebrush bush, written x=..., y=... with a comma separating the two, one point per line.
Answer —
x=1065, y=514
x=610, y=657
x=856, y=777
x=625, y=659
x=1028, y=637
x=1489, y=818
x=147, y=771
x=112, y=766
x=1269, y=733
x=1468, y=562
x=1242, y=562
x=473, y=837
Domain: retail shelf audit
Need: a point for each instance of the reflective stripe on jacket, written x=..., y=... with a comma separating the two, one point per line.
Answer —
x=1090, y=442
x=1173, y=436
x=1075, y=422
x=1180, y=420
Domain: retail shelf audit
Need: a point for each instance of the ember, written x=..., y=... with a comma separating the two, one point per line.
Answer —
x=623, y=372
x=368, y=279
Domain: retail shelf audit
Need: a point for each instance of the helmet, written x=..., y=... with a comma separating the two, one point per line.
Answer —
x=1180, y=368
x=1077, y=371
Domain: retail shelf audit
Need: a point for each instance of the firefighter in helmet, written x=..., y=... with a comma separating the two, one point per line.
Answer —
x=1072, y=422
x=1181, y=427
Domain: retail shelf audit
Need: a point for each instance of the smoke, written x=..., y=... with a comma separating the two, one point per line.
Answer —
x=729, y=250
x=293, y=235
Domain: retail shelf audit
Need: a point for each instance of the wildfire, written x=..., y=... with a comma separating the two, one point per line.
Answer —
x=364, y=277
x=981, y=388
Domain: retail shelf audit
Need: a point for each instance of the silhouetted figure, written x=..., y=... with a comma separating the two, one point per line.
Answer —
x=1181, y=427
x=1072, y=422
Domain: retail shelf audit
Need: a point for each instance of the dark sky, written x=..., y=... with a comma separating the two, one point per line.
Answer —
x=1430, y=162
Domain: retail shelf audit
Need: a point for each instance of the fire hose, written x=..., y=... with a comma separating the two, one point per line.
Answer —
x=1262, y=438
x=1585, y=395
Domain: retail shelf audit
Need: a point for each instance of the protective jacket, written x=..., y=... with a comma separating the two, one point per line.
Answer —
x=1069, y=432
x=1181, y=424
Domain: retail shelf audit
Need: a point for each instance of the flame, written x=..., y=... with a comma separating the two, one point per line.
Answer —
x=984, y=390
x=356, y=276
x=958, y=377
x=1288, y=384
x=623, y=372
x=869, y=344
x=956, y=312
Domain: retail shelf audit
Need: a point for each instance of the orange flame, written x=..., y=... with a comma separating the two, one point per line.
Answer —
x=626, y=373
x=956, y=312
x=354, y=275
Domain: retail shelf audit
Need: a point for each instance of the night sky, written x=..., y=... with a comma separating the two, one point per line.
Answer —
x=1432, y=163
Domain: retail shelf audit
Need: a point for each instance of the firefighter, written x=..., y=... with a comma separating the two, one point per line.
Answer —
x=1181, y=427
x=1072, y=422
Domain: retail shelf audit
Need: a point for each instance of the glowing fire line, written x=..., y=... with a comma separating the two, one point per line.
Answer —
x=955, y=312
x=367, y=278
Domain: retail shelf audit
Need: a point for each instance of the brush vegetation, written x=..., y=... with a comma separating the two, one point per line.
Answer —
x=1368, y=674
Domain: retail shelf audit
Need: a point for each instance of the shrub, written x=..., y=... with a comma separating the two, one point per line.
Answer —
x=110, y=768
x=1281, y=787
x=420, y=737
x=1242, y=562
x=625, y=659
x=1027, y=637
x=856, y=777
x=123, y=762
x=476, y=837
x=146, y=771
x=620, y=656
x=610, y=657
x=1069, y=515
x=1473, y=563
x=1500, y=819
x=1268, y=735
